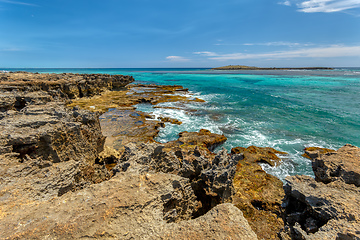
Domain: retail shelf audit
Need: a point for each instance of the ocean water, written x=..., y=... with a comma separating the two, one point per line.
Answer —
x=286, y=110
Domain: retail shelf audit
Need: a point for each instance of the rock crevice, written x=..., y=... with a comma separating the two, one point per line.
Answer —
x=210, y=181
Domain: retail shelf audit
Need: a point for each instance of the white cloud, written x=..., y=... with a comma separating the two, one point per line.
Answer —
x=286, y=3
x=209, y=54
x=319, y=52
x=280, y=43
x=18, y=3
x=312, y=6
x=177, y=59
x=327, y=6
x=290, y=44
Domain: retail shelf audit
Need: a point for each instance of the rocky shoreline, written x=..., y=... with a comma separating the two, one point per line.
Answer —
x=67, y=173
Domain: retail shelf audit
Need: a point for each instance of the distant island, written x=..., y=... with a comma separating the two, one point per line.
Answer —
x=241, y=67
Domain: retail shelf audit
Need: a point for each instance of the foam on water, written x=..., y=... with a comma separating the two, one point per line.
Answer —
x=246, y=126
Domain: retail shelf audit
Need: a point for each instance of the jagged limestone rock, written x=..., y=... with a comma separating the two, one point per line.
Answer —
x=128, y=206
x=326, y=207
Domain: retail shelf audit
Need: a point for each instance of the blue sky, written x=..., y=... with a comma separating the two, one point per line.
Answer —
x=187, y=33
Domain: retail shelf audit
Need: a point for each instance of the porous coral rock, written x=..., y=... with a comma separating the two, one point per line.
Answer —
x=258, y=194
x=211, y=180
x=314, y=152
x=326, y=207
x=203, y=139
x=343, y=164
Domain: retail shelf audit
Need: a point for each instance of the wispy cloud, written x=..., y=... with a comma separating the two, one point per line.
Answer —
x=209, y=54
x=326, y=6
x=318, y=52
x=18, y=3
x=10, y=50
x=286, y=3
x=177, y=59
x=280, y=43
x=289, y=44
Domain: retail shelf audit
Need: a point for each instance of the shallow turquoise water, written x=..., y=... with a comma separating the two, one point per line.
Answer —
x=287, y=110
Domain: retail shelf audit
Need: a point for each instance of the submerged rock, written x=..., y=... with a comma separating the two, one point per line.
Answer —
x=170, y=120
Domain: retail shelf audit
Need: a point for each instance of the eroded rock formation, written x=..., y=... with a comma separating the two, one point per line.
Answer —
x=133, y=94
x=212, y=181
x=258, y=194
x=128, y=206
x=57, y=184
x=46, y=148
x=326, y=207
x=66, y=85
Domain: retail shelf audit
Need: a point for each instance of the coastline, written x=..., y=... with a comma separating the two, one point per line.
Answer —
x=241, y=67
x=38, y=97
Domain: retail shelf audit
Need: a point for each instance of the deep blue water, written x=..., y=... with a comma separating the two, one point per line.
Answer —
x=287, y=110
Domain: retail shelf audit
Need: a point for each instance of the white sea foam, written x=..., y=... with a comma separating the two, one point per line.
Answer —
x=221, y=114
x=291, y=164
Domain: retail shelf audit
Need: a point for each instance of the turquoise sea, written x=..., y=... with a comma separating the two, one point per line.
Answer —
x=286, y=110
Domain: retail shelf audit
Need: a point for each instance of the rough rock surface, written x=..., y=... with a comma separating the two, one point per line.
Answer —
x=260, y=154
x=203, y=139
x=131, y=205
x=314, y=152
x=211, y=180
x=326, y=207
x=51, y=132
x=122, y=127
x=344, y=165
x=55, y=183
x=46, y=151
x=222, y=222
x=122, y=124
x=258, y=194
x=134, y=94
x=66, y=85
x=314, y=204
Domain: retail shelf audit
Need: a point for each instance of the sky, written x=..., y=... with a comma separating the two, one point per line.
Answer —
x=186, y=33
